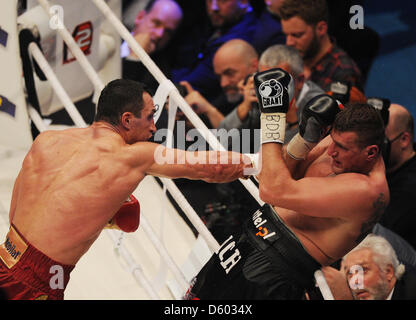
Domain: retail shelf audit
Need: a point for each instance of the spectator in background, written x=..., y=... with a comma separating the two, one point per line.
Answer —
x=233, y=62
x=228, y=19
x=400, y=214
x=371, y=271
x=269, y=29
x=154, y=29
x=305, y=24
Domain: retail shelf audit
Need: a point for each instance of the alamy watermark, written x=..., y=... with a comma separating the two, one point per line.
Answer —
x=357, y=20
x=356, y=282
x=57, y=280
x=57, y=17
x=236, y=140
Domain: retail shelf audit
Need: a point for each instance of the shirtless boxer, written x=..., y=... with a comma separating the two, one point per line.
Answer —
x=73, y=182
x=319, y=204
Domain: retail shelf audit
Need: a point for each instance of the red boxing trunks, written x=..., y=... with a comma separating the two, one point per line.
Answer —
x=28, y=274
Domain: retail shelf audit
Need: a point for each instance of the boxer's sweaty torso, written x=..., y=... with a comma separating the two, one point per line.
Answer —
x=67, y=178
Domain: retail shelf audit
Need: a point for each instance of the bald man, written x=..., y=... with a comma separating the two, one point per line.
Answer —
x=233, y=62
x=400, y=215
x=154, y=29
x=155, y=25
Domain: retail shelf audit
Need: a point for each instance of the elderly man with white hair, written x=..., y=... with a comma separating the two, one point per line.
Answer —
x=371, y=271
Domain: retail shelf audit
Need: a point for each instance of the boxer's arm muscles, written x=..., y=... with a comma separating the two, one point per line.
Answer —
x=340, y=196
x=210, y=166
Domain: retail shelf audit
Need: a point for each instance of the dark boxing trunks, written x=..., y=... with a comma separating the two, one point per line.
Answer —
x=267, y=262
x=28, y=274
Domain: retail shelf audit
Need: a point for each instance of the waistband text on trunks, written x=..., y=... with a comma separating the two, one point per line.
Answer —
x=13, y=248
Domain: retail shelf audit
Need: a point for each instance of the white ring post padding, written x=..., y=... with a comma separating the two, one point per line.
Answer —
x=56, y=85
x=191, y=214
x=76, y=51
x=135, y=269
x=323, y=285
x=160, y=77
x=164, y=253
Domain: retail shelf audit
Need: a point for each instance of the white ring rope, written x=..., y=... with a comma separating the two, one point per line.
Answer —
x=36, y=118
x=134, y=268
x=191, y=214
x=164, y=253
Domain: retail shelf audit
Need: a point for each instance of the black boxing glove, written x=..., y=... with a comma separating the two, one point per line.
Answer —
x=382, y=105
x=275, y=91
x=318, y=114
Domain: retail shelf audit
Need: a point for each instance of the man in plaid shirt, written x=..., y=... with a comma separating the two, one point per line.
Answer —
x=305, y=24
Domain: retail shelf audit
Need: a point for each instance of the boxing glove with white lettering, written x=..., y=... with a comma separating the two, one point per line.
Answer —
x=275, y=91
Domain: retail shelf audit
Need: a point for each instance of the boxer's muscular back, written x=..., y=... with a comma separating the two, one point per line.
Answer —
x=61, y=198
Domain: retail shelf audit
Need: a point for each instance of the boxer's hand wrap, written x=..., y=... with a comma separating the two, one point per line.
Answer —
x=318, y=114
x=127, y=218
x=274, y=91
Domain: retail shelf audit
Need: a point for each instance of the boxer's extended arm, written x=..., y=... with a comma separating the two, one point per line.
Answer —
x=210, y=166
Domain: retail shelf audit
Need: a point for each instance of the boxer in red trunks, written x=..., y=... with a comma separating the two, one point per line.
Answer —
x=26, y=273
x=73, y=182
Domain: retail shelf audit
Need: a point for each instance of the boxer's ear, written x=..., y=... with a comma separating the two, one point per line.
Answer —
x=125, y=120
x=372, y=152
x=321, y=28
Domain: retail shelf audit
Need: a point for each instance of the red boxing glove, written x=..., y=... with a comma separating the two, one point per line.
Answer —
x=127, y=217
